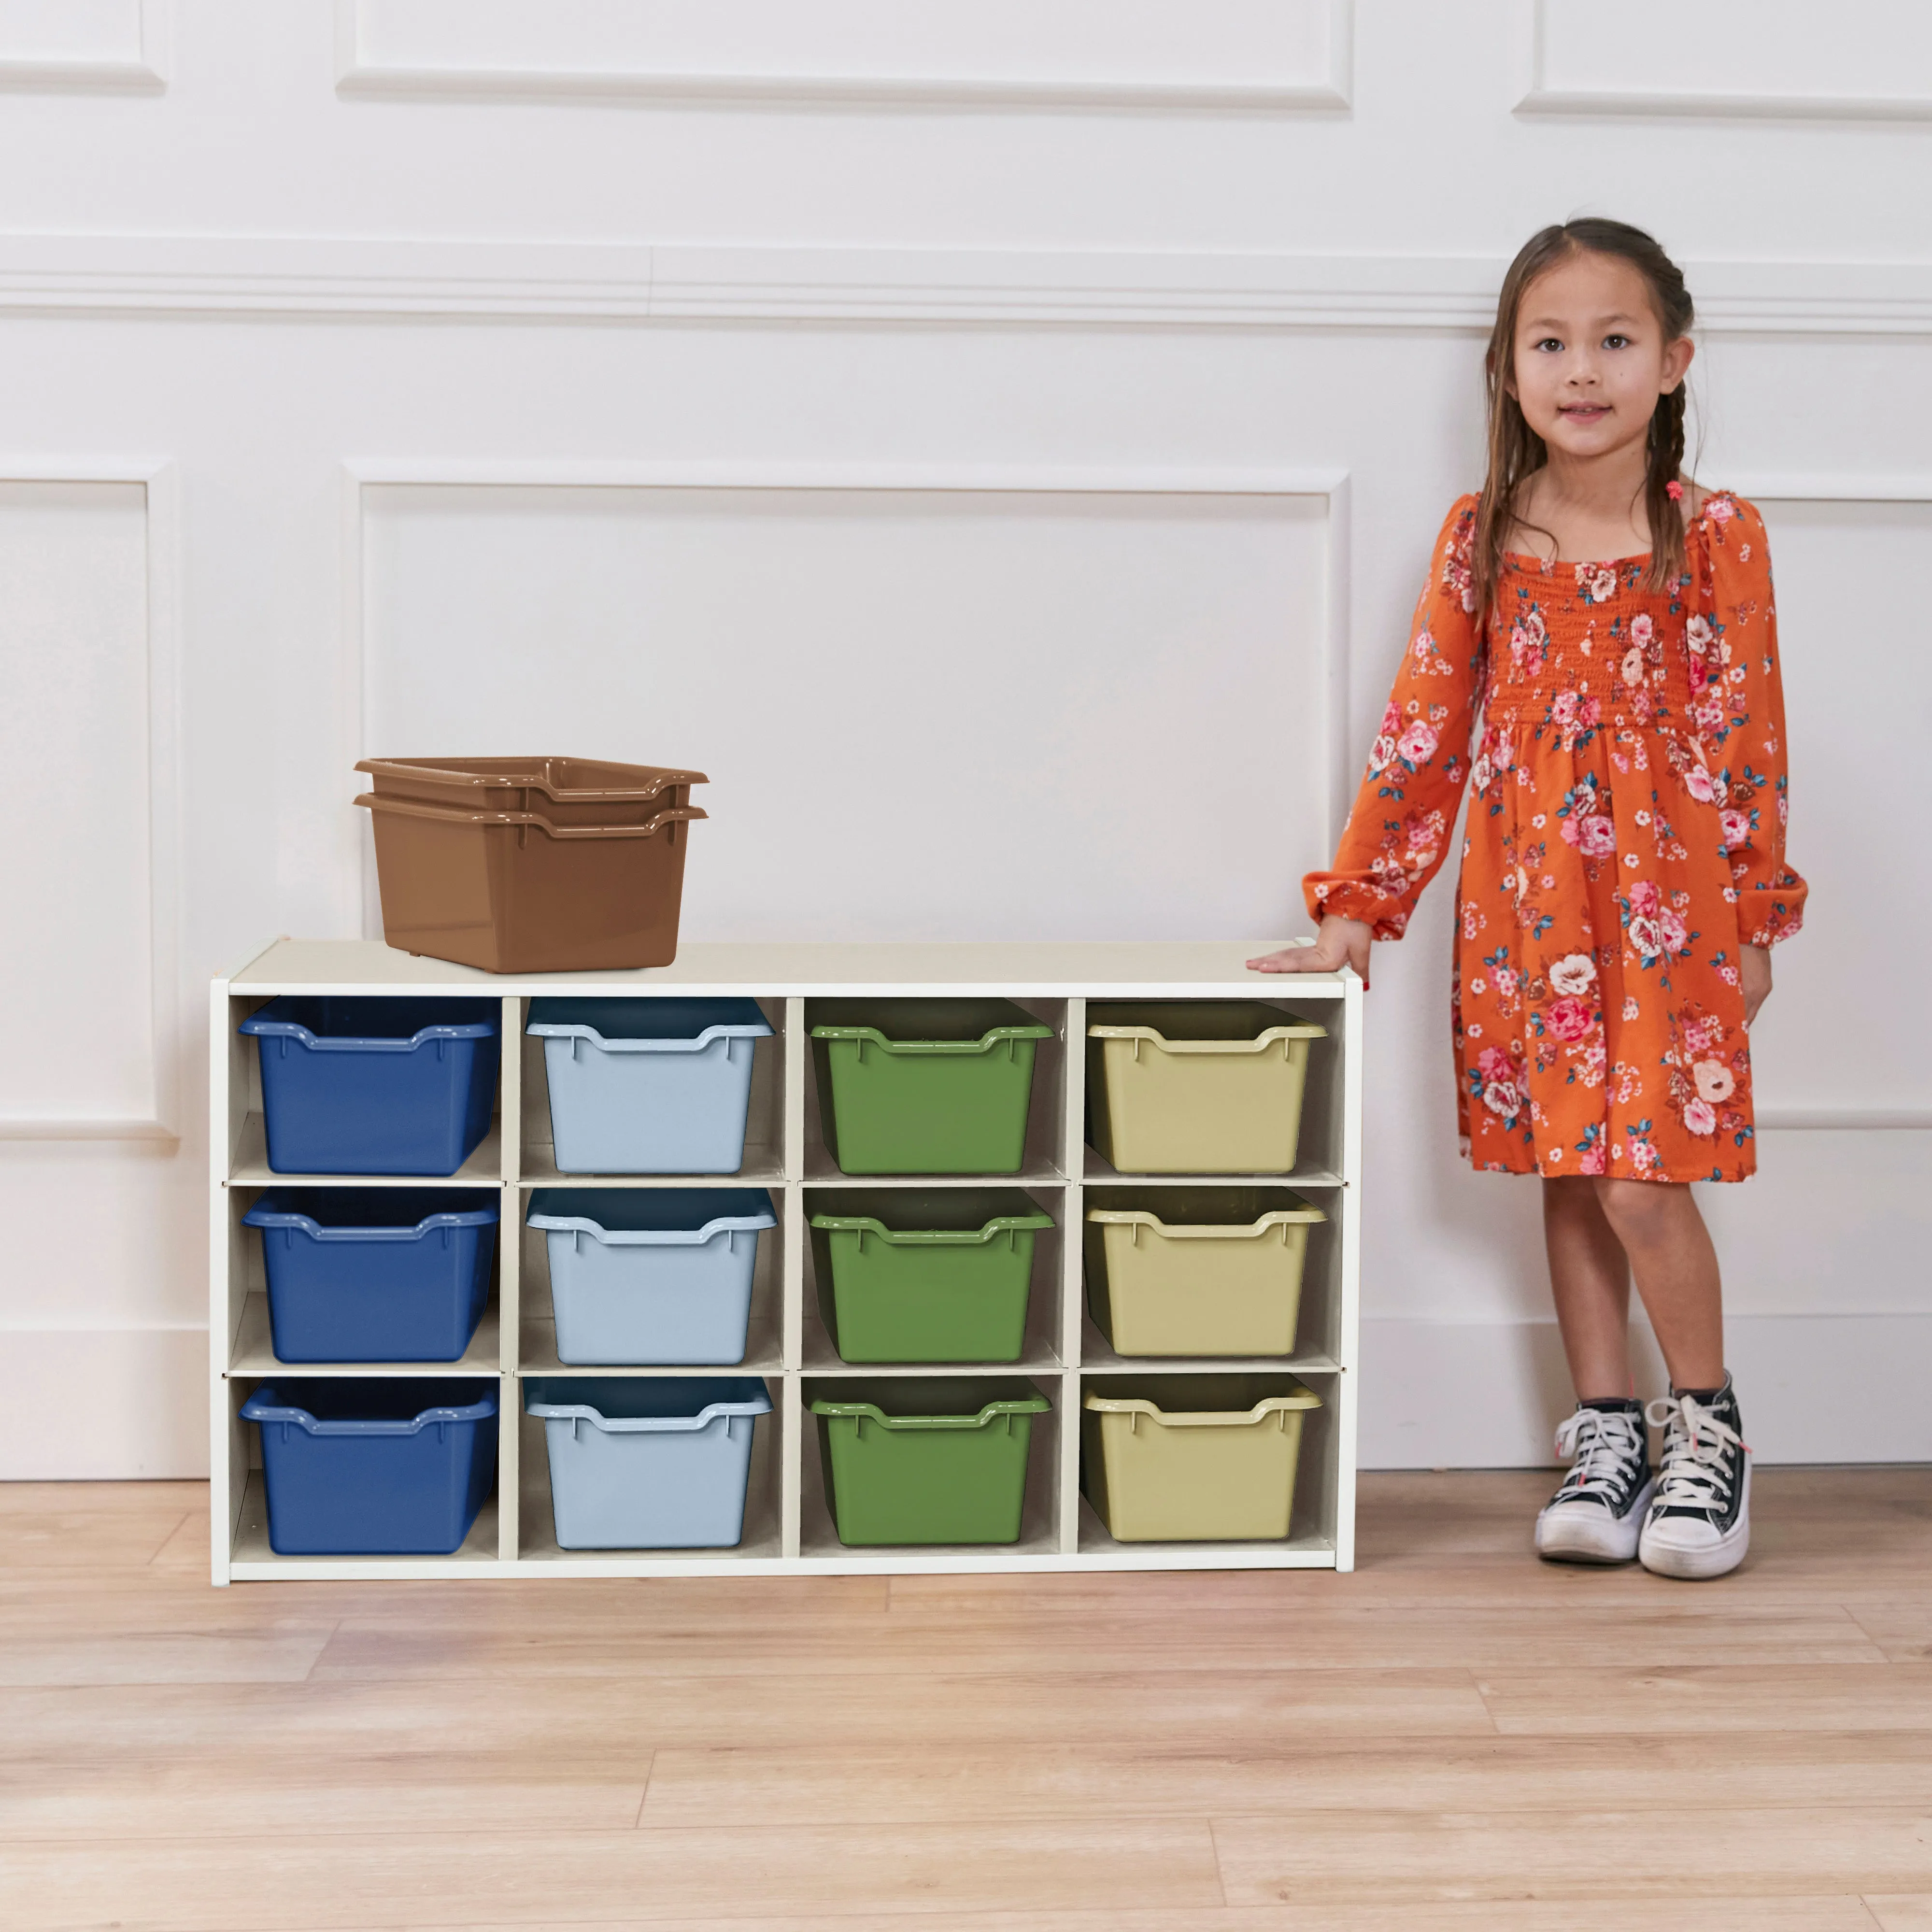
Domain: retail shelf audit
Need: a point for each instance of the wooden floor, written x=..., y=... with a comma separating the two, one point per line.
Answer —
x=1454, y=1737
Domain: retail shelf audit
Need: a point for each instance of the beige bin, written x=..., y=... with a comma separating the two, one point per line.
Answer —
x=1197, y=1270
x=1197, y=1086
x=1193, y=1459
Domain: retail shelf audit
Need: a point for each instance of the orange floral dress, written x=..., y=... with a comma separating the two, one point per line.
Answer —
x=1624, y=752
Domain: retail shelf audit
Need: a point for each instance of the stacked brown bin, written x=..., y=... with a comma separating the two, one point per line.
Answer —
x=531, y=865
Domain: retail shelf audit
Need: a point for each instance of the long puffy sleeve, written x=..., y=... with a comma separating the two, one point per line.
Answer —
x=1398, y=834
x=1740, y=714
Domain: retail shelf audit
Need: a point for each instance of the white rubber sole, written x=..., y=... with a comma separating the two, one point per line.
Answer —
x=1685, y=1548
x=1581, y=1533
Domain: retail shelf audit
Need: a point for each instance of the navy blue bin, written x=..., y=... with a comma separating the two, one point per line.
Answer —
x=361, y=1085
x=375, y=1465
x=375, y=1274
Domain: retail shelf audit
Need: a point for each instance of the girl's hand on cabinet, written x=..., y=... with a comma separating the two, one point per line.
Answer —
x=1338, y=942
x=1754, y=978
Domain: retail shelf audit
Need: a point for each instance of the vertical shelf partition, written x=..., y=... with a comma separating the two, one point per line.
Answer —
x=787, y=1527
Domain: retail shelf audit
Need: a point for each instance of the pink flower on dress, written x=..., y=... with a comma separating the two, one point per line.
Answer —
x=1709, y=711
x=1646, y=936
x=1575, y=973
x=1714, y=1080
x=1720, y=510
x=1592, y=1162
x=1633, y=666
x=1493, y=1063
x=1417, y=744
x=1501, y=1097
x=1698, y=634
x=1699, y=783
x=1644, y=897
x=1597, y=836
x=1676, y=935
x=1699, y=1117
x=1569, y=1019
x=1641, y=630
x=1424, y=646
x=1597, y=582
x=1737, y=828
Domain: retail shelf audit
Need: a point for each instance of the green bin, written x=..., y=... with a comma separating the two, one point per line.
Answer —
x=939, y=1274
x=915, y=1459
x=924, y=1086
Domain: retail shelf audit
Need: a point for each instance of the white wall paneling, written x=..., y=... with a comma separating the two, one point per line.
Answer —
x=84, y=46
x=1172, y=55
x=1007, y=737
x=88, y=736
x=1777, y=59
x=782, y=386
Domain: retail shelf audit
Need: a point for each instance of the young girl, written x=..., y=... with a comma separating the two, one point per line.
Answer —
x=1623, y=880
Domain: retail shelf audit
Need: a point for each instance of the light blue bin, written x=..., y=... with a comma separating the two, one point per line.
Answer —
x=649, y=1461
x=654, y=1086
x=651, y=1276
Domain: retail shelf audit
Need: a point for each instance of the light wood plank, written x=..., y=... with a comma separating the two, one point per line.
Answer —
x=1704, y=1847
x=1841, y=1913
x=1710, y=1698
x=839, y=1784
x=307, y=1884
x=1901, y=1911
x=249, y=1790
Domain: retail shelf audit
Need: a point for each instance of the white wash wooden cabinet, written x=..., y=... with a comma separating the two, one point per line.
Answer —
x=788, y=1529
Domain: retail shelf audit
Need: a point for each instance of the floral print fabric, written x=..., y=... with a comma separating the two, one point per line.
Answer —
x=1625, y=836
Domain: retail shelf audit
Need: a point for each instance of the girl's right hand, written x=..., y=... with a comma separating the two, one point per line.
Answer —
x=1338, y=942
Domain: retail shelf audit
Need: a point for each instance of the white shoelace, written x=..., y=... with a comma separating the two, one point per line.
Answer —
x=1692, y=1474
x=1605, y=1443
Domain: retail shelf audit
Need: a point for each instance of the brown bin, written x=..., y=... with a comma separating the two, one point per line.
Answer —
x=516, y=891
x=567, y=791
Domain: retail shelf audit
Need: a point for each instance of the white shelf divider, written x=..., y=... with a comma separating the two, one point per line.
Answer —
x=514, y=1537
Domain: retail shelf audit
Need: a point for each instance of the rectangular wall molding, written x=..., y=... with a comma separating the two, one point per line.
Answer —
x=159, y=485
x=572, y=282
x=84, y=46
x=1330, y=487
x=1153, y=56
x=1777, y=61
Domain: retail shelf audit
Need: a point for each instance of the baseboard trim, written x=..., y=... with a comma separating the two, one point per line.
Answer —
x=1815, y=1388
x=104, y=1404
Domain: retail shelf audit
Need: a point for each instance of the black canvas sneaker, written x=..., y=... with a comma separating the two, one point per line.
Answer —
x=1597, y=1511
x=1699, y=1520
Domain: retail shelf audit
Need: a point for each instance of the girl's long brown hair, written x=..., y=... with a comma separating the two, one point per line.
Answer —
x=1516, y=451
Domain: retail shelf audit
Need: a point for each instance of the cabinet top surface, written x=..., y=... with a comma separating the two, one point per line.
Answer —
x=1129, y=967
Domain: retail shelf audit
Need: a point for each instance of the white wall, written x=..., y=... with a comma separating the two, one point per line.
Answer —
x=1016, y=430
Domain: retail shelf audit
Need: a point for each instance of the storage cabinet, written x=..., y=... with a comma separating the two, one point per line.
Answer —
x=788, y=1526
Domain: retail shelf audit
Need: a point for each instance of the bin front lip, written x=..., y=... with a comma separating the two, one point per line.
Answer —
x=261, y=1024
x=262, y=1215
x=457, y=814
x=868, y=1411
x=645, y=1425
x=984, y=1043
x=451, y=773
x=1299, y=1030
x=1209, y=1418
x=546, y=1026
x=864, y=1224
x=255, y=1409
x=652, y=1238
x=1205, y=1231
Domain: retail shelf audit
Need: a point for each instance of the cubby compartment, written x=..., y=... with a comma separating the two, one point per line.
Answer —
x=1039, y=1489
x=760, y=1542
x=764, y=1160
x=1042, y=1326
x=764, y=1331
x=788, y=1526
